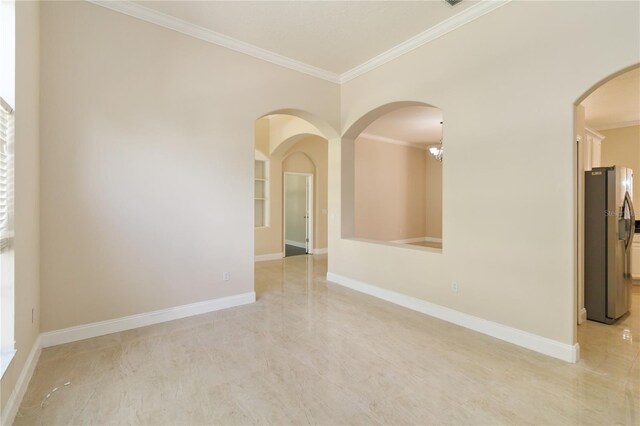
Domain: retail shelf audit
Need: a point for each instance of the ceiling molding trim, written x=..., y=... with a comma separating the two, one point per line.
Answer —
x=470, y=14
x=149, y=15
x=617, y=125
x=593, y=132
x=146, y=14
x=385, y=139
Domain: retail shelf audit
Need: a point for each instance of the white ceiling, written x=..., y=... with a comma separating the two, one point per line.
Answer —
x=414, y=125
x=335, y=36
x=615, y=104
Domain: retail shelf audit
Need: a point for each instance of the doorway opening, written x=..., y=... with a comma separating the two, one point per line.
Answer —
x=607, y=136
x=298, y=213
x=289, y=145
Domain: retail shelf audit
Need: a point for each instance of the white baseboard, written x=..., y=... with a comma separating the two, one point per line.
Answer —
x=418, y=240
x=87, y=331
x=320, y=250
x=582, y=315
x=13, y=403
x=635, y=276
x=563, y=351
x=295, y=244
x=271, y=256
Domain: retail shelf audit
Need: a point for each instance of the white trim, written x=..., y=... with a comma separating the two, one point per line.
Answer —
x=13, y=403
x=618, y=125
x=393, y=141
x=6, y=358
x=320, y=251
x=158, y=18
x=582, y=315
x=87, y=331
x=553, y=348
x=295, y=244
x=270, y=256
x=311, y=217
x=594, y=133
x=468, y=15
x=146, y=14
x=299, y=173
x=635, y=276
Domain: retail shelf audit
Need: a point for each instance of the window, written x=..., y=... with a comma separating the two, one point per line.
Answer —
x=6, y=236
x=6, y=173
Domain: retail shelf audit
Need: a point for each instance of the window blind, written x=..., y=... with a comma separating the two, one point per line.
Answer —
x=6, y=173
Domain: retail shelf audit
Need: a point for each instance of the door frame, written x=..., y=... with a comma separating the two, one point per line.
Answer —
x=310, y=216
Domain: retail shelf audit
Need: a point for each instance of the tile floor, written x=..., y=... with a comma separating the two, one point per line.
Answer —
x=290, y=250
x=312, y=352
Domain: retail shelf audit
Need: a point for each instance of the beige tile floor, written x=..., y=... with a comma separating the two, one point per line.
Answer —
x=312, y=352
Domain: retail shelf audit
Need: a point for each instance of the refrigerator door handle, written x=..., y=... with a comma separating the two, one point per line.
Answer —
x=632, y=220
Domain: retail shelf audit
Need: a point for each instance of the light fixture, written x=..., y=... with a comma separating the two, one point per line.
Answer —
x=436, y=151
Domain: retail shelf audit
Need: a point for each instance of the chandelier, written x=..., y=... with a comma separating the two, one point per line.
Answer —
x=436, y=151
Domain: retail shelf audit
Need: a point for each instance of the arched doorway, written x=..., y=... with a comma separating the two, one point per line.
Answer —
x=607, y=133
x=283, y=135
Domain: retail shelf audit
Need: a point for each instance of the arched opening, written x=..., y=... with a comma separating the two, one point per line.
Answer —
x=294, y=144
x=607, y=133
x=320, y=125
x=392, y=176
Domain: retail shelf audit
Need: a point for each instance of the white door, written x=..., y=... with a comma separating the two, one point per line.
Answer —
x=309, y=213
x=298, y=211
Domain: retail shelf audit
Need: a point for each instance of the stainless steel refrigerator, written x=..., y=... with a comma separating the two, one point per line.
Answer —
x=609, y=229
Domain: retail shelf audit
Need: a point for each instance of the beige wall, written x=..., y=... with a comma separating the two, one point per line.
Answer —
x=27, y=230
x=262, y=136
x=268, y=240
x=621, y=147
x=433, y=202
x=148, y=141
x=509, y=207
x=390, y=189
x=287, y=130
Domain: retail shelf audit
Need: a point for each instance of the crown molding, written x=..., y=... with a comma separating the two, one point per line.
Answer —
x=470, y=14
x=617, y=125
x=593, y=132
x=146, y=14
x=149, y=15
x=384, y=139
